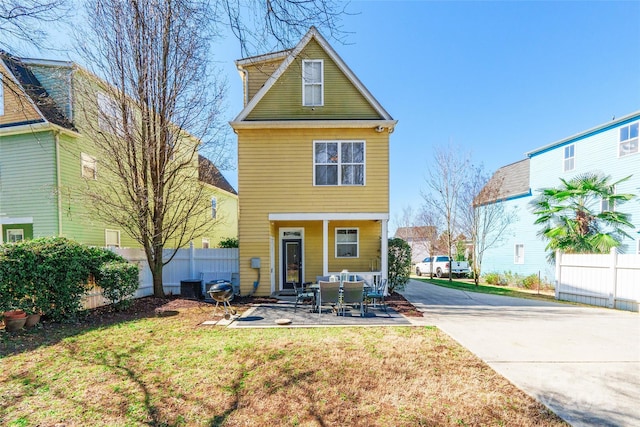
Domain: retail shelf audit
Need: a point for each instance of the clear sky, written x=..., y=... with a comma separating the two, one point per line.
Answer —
x=496, y=79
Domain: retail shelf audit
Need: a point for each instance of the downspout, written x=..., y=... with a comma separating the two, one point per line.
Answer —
x=245, y=80
x=58, y=182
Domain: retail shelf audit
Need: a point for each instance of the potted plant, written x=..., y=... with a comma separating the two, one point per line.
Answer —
x=14, y=320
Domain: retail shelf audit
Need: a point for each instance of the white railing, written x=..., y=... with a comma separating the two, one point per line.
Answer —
x=187, y=264
x=607, y=280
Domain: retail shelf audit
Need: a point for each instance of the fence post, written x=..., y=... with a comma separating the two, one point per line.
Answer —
x=558, y=273
x=613, y=277
x=192, y=260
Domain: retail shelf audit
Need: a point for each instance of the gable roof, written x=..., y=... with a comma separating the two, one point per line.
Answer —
x=209, y=173
x=290, y=55
x=508, y=182
x=587, y=133
x=44, y=103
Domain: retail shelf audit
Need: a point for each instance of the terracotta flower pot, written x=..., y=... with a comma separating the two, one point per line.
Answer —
x=12, y=324
x=14, y=314
x=32, y=320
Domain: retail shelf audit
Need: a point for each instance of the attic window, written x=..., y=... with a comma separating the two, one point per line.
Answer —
x=312, y=83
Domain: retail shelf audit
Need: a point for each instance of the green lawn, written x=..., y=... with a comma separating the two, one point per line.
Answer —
x=172, y=371
x=468, y=285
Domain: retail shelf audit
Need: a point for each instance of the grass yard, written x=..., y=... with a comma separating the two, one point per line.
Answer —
x=469, y=285
x=143, y=369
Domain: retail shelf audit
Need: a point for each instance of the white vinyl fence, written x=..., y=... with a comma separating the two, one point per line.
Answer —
x=607, y=280
x=187, y=264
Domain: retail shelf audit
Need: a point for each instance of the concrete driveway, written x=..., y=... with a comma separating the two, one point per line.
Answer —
x=581, y=362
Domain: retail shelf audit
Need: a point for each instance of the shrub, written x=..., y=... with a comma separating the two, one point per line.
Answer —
x=492, y=278
x=530, y=281
x=231, y=242
x=49, y=275
x=119, y=282
x=399, y=264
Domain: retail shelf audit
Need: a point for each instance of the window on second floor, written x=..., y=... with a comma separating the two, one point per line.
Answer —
x=569, y=157
x=109, y=115
x=312, y=83
x=628, y=140
x=347, y=243
x=214, y=207
x=89, y=166
x=339, y=163
x=518, y=254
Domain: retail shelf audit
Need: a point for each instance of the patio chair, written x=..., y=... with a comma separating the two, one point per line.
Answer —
x=377, y=294
x=353, y=293
x=328, y=294
x=302, y=295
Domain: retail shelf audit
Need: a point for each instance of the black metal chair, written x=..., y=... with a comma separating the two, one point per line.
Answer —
x=302, y=295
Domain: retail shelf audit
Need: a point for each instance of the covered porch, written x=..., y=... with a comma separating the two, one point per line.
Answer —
x=307, y=245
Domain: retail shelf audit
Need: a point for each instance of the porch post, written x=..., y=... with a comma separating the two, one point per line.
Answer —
x=325, y=247
x=384, y=250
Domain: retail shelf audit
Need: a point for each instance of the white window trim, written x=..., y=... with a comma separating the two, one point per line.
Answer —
x=637, y=139
x=565, y=158
x=518, y=258
x=357, y=242
x=106, y=240
x=305, y=84
x=205, y=243
x=91, y=163
x=339, y=164
x=15, y=232
x=1, y=95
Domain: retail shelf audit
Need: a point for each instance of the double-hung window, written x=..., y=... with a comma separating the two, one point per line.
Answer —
x=607, y=205
x=339, y=163
x=112, y=238
x=628, y=139
x=518, y=255
x=347, y=243
x=214, y=207
x=312, y=83
x=89, y=166
x=15, y=235
x=569, y=157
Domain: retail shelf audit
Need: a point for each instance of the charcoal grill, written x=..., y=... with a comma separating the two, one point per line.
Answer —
x=222, y=292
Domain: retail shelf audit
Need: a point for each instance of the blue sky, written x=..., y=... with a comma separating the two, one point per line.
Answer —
x=496, y=79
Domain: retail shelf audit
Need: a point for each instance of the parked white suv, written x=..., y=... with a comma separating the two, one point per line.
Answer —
x=442, y=265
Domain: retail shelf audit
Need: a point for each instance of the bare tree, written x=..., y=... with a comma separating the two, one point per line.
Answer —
x=22, y=20
x=158, y=103
x=482, y=218
x=447, y=174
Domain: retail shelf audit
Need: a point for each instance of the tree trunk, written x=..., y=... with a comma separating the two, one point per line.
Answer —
x=156, y=272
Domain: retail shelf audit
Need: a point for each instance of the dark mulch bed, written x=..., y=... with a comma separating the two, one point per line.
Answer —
x=151, y=306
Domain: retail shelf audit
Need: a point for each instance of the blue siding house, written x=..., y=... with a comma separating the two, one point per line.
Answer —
x=610, y=148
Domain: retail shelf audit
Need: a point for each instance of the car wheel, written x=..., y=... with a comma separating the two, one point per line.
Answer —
x=418, y=273
x=439, y=273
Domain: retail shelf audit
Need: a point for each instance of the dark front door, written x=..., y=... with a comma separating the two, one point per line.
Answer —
x=291, y=262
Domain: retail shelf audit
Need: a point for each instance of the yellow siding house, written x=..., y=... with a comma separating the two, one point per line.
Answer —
x=313, y=169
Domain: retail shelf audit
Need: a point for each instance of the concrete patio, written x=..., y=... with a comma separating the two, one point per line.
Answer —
x=268, y=315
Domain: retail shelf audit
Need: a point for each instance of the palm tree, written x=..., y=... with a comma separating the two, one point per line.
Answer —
x=579, y=216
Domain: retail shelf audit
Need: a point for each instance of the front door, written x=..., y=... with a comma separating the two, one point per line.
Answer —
x=291, y=262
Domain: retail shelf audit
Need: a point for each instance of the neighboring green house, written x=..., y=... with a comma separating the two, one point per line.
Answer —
x=45, y=157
